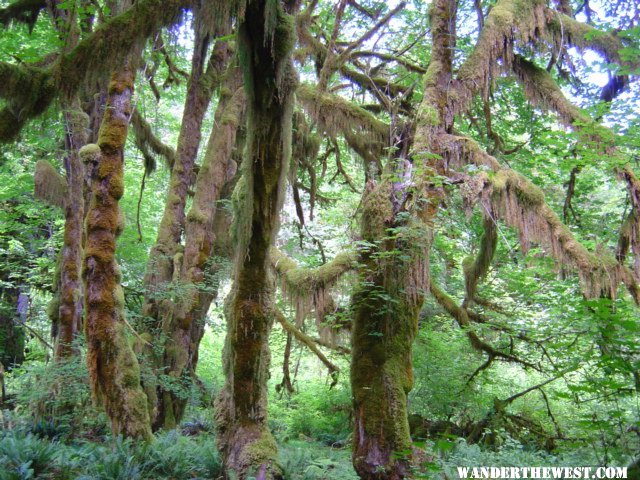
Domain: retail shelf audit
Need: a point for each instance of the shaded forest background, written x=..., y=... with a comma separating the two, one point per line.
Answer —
x=317, y=239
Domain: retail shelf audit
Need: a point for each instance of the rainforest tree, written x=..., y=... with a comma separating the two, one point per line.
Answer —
x=373, y=168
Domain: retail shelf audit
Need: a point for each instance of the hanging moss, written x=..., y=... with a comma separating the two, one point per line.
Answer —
x=507, y=22
x=28, y=92
x=476, y=269
x=337, y=114
x=513, y=198
x=50, y=186
x=147, y=141
x=265, y=40
x=308, y=288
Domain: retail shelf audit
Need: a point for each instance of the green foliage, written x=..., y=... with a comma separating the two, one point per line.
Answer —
x=24, y=458
x=310, y=461
x=169, y=456
x=56, y=398
x=316, y=412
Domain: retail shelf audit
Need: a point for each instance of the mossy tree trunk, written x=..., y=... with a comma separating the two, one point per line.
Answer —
x=12, y=335
x=165, y=258
x=185, y=328
x=396, y=223
x=113, y=368
x=393, y=276
x=265, y=40
x=70, y=305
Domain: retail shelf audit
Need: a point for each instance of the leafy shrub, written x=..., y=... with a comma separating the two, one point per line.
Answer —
x=315, y=412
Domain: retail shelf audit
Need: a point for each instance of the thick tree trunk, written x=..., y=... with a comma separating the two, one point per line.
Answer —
x=186, y=326
x=393, y=276
x=113, y=367
x=265, y=39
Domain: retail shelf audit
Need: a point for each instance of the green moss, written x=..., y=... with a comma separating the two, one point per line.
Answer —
x=428, y=115
x=90, y=153
x=53, y=309
x=264, y=449
x=377, y=212
x=112, y=135
x=197, y=215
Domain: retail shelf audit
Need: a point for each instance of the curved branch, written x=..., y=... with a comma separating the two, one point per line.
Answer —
x=462, y=318
x=476, y=269
x=310, y=344
x=338, y=115
x=146, y=140
x=521, y=204
x=305, y=280
x=584, y=36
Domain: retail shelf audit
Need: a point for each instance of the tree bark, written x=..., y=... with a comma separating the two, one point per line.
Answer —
x=12, y=336
x=394, y=274
x=165, y=258
x=113, y=367
x=386, y=303
x=186, y=326
x=265, y=39
x=70, y=309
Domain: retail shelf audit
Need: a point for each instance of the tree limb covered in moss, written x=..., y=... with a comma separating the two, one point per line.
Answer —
x=566, y=29
x=387, y=57
x=306, y=280
x=507, y=22
x=338, y=348
x=337, y=114
x=461, y=316
x=476, y=269
x=513, y=198
x=28, y=92
x=308, y=288
x=310, y=344
x=147, y=142
x=50, y=186
x=101, y=51
x=31, y=90
x=334, y=61
x=542, y=90
x=22, y=11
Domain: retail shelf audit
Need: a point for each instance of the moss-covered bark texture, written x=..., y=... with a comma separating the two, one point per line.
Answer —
x=113, y=367
x=169, y=318
x=386, y=304
x=185, y=326
x=12, y=335
x=70, y=306
x=265, y=40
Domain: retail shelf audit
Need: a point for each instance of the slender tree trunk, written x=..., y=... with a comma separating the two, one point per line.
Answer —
x=165, y=258
x=265, y=39
x=70, y=287
x=12, y=336
x=186, y=327
x=113, y=367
